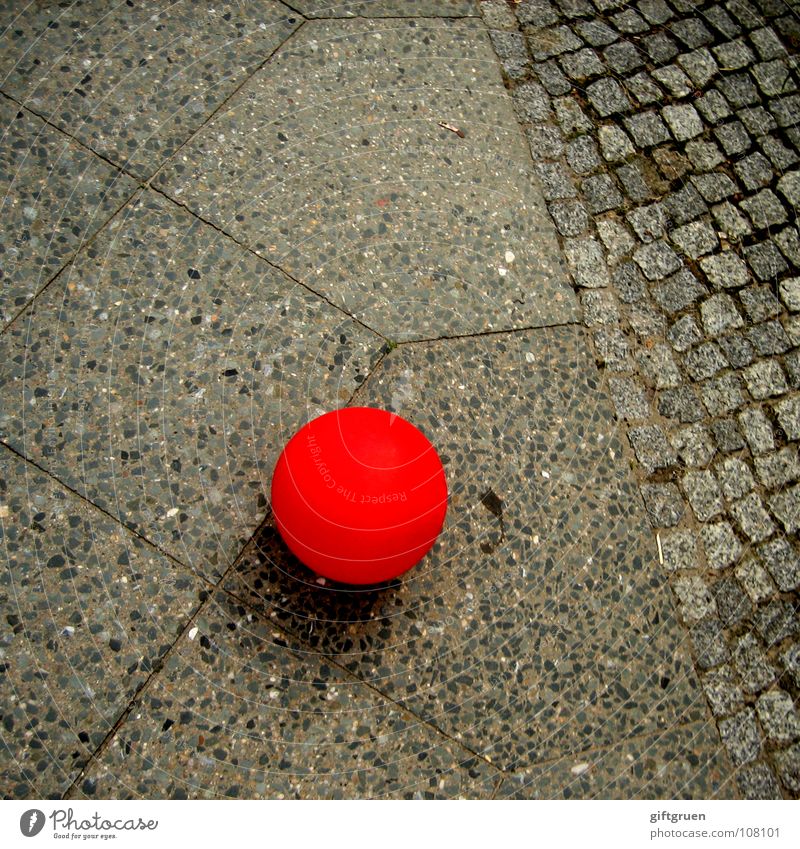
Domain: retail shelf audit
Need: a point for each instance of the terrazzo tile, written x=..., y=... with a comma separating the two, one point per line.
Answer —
x=539, y=624
x=134, y=80
x=333, y=163
x=161, y=376
x=240, y=710
x=680, y=763
x=385, y=8
x=56, y=195
x=89, y=610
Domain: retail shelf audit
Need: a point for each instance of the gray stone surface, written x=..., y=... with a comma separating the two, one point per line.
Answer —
x=741, y=736
x=90, y=610
x=56, y=195
x=378, y=159
x=535, y=483
x=169, y=67
x=162, y=348
x=327, y=220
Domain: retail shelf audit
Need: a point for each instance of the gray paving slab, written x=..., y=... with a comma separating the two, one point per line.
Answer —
x=386, y=8
x=134, y=80
x=540, y=624
x=56, y=196
x=88, y=611
x=161, y=376
x=332, y=162
x=679, y=763
x=242, y=710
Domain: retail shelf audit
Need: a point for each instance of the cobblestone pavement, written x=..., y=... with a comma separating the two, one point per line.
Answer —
x=665, y=134
x=221, y=222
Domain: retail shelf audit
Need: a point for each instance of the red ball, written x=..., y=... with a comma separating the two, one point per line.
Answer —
x=359, y=495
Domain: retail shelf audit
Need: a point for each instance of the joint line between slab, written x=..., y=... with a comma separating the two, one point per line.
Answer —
x=211, y=115
x=269, y=262
x=480, y=333
x=353, y=677
x=171, y=557
x=158, y=665
x=70, y=260
x=88, y=148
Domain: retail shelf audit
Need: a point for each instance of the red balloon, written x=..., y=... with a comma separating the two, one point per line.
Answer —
x=359, y=495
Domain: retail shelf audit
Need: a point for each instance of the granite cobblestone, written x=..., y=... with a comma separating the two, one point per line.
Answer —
x=682, y=121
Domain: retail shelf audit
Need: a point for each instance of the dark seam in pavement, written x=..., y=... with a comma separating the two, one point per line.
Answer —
x=352, y=676
x=504, y=331
x=475, y=17
x=72, y=138
x=158, y=665
x=267, y=261
x=210, y=117
x=292, y=9
x=105, y=512
x=70, y=261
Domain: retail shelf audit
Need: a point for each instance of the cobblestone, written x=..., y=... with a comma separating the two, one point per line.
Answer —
x=582, y=155
x=722, y=394
x=755, y=671
x=759, y=303
x=752, y=519
x=679, y=550
x=696, y=601
x=786, y=506
x=614, y=143
x=704, y=361
x=766, y=261
x=757, y=430
x=587, y=263
x=685, y=166
x=778, y=469
x=790, y=293
x=695, y=239
x=755, y=579
x=601, y=193
x=678, y=292
x=647, y=129
x=733, y=605
x=765, y=379
x=693, y=445
x=683, y=120
x=783, y=563
x=741, y=736
x=684, y=332
x=788, y=413
x=721, y=545
x=788, y=762
x=664, y=504
x=737, y=349
x=723, y=692
x=725, y=270
x=703, y=494
x=651, y=447
x=757, y=781
x=619, y=242
x=628, y=281
x=719, y=314
x=775, y=621
x=570, y=217
x=630, y=401
x=735, y=478
x=764, y=209
x=657, y=260
x=709, y=643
